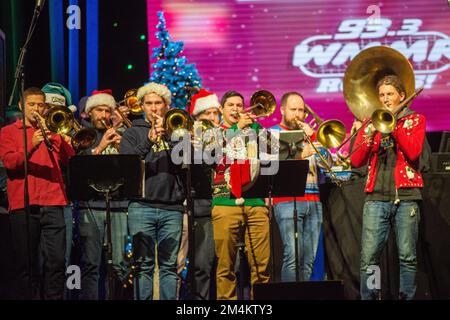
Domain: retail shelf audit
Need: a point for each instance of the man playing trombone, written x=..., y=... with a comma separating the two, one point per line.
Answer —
x=236, y=219
x=392, y=187
x=309, y=212
x=47, y=199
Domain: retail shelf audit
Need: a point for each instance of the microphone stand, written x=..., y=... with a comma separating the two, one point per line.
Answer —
x=19, y=77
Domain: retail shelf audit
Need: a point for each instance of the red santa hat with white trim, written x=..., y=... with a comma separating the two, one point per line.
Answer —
x=100, y=98
x=202, y=101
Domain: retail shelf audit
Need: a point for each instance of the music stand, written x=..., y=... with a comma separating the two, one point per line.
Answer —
x=291, y=144
x=289, y=181
x=108, y=177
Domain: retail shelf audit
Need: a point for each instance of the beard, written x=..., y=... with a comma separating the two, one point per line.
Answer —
x=293, y=125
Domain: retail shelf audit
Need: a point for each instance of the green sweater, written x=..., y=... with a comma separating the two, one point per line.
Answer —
x=222, y=188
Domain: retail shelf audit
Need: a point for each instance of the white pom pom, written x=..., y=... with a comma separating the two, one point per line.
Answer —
x=73, y=108
x=239, y=201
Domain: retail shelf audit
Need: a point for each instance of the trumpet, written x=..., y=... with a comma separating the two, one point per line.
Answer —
x=41, y=127
x=60, y=120
x=108, y=126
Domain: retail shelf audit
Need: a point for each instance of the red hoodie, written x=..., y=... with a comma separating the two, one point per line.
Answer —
x=45, y=181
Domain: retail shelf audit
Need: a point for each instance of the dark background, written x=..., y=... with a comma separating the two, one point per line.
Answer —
x=118, y=45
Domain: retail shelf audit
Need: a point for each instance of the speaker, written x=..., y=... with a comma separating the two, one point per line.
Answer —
x=440, y=162
x=307, y=290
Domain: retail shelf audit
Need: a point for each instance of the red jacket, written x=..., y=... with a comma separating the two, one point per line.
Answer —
x=409, y=135
x=45, y=181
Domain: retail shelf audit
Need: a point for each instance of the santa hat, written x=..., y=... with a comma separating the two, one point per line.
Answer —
x=153, y=87
x=202, y=101
x=100, y=98
x=58, y=95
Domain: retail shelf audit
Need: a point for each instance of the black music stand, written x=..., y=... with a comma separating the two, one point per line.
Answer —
x=291, y=144
x=289, y=181
x=106, y=177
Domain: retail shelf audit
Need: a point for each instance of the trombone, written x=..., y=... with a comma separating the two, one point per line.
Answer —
x=61, y=120
x=41, y=127
x=131, y=101
x=383, y=120
x=262, y=104
x=126, y=122
x=330, y=134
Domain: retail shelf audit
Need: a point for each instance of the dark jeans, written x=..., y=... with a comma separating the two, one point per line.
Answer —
x=93, y=238
x=204, y=256
x=48, y=227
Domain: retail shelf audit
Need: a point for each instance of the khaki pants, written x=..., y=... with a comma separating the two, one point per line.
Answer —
x=226, y=224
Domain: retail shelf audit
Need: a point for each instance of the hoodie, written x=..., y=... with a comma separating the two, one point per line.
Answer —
x=163, y=179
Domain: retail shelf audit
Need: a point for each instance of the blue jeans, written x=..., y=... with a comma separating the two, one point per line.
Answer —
x=149, y=227
x=309, y=222
x=93, y=237
x=377, y=216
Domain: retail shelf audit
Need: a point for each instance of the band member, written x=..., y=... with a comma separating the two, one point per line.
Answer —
x=205, y=106
x=156, y=219
x=233, y=218
x=309, y=207
x=100, y=106
x=393, y=188
x=56, y=95
x=47, y=199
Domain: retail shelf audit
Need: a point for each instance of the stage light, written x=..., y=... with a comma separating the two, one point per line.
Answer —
x=130, y=67
x=142, y=37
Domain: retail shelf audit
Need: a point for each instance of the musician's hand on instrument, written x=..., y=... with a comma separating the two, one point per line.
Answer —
x=371, y=131
x=152, y=136
x=67, y=138
x=307, y=129
x=116, y=141
x=107, y=139
x=38, y=137
x=312, y=124
x=245, y=120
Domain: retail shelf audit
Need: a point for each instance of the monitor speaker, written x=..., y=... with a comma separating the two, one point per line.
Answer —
x=307, y=290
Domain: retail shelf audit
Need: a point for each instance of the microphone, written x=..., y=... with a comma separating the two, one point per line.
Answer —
x=39, y=4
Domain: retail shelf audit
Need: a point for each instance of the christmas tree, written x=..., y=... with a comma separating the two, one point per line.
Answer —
x=171, y=67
